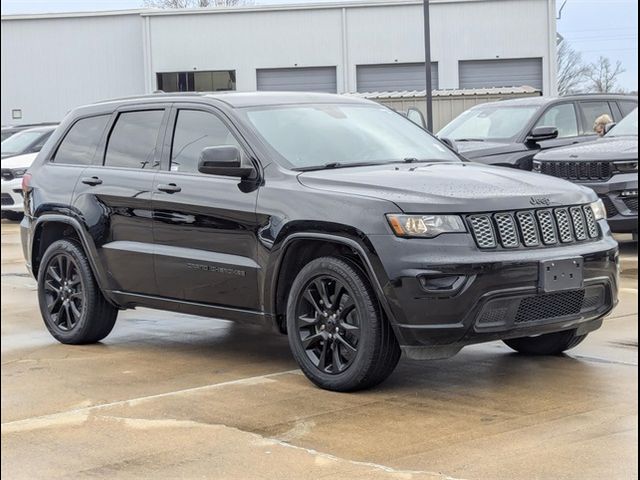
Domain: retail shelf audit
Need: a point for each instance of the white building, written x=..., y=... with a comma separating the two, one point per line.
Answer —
x=54, y=62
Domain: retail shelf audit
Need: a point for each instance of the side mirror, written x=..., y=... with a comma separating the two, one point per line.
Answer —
x=450, y=143
x=608, y=127
x=416, y=117
x=538, y=134
x=223, y=160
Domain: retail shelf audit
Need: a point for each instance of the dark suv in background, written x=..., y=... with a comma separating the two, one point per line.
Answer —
x=608, y=165
x=510, y=132
x=335, y=219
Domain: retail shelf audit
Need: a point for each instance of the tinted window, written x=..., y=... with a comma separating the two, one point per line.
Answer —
x=79, y=145
x=194, y=131
x=591, y=111
x=563, y=117
x=132, y=142
x=627, y=107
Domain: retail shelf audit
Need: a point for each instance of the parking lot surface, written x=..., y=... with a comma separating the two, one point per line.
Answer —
x=169, y=395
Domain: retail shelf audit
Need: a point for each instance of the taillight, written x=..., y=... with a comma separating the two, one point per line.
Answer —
x=26, y=183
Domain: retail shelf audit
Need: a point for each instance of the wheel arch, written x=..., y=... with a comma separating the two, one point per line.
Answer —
x=49, y=228
x=298, y=248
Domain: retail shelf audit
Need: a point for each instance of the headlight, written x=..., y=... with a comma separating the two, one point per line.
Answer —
x=18, y=172
x=598, y=210
x=629, y=166
x=537, y=166
x=425, y=226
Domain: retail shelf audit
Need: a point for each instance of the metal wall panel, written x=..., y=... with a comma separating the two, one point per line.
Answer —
x=394, y=77
x=305, y=79
x=52, y=65
x=501, y=73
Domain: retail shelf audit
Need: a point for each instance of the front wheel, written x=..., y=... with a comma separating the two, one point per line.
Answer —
x=337, y=331
x=548, y=344
x=71, y=303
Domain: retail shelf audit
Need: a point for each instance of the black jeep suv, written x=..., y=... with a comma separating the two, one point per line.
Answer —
x=335, y=219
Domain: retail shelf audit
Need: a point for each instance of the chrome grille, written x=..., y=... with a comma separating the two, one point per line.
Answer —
x=592, y=225
x=534, y=228
x=564, y=225
x=507, y=230
x=547, y=227
x=529, y=229
x=482, y=229
x=578, y=223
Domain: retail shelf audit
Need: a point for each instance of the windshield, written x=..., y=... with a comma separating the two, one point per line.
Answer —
x=627, y=126
x=19, y=142
x=495, y=122
x=309, y=136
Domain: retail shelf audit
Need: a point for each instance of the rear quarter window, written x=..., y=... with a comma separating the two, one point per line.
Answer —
x=79, y=144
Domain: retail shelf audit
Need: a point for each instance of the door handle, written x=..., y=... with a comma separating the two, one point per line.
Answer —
x=93, y=181
x=169, y=188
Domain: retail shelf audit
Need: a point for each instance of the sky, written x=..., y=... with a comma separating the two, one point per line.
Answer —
x=593, y=27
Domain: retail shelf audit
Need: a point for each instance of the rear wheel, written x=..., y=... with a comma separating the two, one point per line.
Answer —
x=337, y=332
x=72, y=306
x=548, y=344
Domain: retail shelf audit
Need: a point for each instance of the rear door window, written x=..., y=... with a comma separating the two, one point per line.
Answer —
x=563, y=117
x=79, y=144
x=591, y=111
x=133, y=140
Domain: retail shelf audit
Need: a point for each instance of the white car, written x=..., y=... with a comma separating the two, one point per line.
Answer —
x=13, y=169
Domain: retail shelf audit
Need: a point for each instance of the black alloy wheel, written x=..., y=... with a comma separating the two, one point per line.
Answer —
x=338, y=332
x=73, y=308
x=328, y=324
x=64, y=292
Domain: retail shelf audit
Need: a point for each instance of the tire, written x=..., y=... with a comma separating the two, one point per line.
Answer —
x=548, y=344
x=86, y=317
x=354, y=327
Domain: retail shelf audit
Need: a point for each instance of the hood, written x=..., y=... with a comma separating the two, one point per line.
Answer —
x=19, y=161
x=614, y=148
x=472, y=150
x=450, y=187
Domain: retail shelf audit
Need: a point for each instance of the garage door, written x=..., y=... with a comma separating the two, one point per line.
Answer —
x=501, y=73
x=305, y=79
x=394, y=77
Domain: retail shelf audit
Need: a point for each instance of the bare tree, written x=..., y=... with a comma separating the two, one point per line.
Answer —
x=603, y=76
x=572, y=71
x=196, y=3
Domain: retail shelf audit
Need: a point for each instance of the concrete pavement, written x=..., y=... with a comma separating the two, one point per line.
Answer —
x=168, y=396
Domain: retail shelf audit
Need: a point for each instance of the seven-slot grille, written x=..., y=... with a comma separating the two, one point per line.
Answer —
x=534, y=228
x=578, y=170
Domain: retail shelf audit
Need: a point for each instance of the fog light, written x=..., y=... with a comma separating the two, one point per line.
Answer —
x=441, y=283
x=629, y=193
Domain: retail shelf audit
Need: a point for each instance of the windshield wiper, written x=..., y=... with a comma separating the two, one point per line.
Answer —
x=332, y=165
x=469, y=140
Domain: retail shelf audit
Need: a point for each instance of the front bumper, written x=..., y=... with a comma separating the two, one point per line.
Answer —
x=490, y=289
x=12, y=200
x=622, y=211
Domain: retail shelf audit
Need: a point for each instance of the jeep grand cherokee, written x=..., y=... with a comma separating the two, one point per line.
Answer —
x=336, y=220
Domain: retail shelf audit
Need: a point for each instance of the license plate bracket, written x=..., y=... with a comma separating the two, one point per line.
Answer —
x=561, y=274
